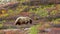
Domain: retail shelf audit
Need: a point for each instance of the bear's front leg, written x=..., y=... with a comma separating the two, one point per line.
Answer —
x=18, y=23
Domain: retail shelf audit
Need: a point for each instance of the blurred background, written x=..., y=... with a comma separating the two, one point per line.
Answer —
x=45, y=13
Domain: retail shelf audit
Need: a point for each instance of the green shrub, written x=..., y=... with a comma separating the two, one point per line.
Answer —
x=39, y=11
x=34, y=29
x=57, y=21
x=54, y=12
x=42, y=13
x=1, y=25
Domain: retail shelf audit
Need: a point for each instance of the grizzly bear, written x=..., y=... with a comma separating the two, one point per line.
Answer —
x=23, y=20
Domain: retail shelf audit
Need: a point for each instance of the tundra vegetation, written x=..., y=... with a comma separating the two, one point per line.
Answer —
x=50, y=12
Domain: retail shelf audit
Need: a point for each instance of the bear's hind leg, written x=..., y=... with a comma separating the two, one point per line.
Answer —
x=30, y=21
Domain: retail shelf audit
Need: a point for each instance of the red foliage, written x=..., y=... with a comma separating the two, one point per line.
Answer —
x=25, y=13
